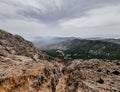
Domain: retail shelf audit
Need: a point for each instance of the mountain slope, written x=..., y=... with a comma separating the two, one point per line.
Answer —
x=84, y=49
x=16, y=45
x=45, y=42
x=23, y=68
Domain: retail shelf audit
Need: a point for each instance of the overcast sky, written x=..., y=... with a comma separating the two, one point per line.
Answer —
x=80, y=18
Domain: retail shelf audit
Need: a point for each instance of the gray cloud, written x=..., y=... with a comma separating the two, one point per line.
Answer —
x=60, y=17
x=51, y=11
x=70, y=9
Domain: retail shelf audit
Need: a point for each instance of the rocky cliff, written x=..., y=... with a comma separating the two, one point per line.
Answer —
x=23, y=68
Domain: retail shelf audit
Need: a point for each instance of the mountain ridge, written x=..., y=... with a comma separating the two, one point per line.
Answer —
x=76, y=48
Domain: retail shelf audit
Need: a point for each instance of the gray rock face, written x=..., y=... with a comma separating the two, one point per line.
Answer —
x=16, y=45
x=93, y=76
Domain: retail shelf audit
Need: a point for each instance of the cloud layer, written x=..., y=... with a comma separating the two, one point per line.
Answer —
x=82, y=18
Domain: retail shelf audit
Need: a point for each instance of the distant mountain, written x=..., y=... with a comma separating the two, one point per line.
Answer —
x=45, y=43
x=76, y=48
x=116, y=41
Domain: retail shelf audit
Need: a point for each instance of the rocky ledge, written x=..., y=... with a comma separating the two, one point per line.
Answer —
x=23, y=68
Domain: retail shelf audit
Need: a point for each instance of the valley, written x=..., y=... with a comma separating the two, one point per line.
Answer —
x=76, y=48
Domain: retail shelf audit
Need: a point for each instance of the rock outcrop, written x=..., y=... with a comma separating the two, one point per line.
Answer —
x=93, y=76
x=16, y=45
x=23, y=68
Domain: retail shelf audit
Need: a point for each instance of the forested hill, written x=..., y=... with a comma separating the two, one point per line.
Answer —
x=84, y=49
